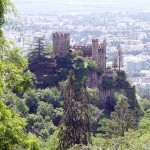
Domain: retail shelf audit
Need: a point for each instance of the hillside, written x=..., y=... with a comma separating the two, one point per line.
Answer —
x=65, y=112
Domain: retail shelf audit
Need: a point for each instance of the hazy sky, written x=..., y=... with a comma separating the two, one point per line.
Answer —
x=49, y=6
x=76, y=1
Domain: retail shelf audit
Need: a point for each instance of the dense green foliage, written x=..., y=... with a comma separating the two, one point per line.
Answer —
x=5, y=7
x=121, y=120
x=14, y=77
x=59, y=67
x=12, y=132
x=14, y=69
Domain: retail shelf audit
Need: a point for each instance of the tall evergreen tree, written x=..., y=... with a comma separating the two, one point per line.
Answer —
x=122, y=119
x=75, y=124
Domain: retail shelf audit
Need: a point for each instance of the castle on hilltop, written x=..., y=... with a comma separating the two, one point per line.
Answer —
x=48, y=74
x=96, y=50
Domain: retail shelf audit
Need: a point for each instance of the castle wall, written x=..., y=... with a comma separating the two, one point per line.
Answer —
x=92, y=80
x=86, y=49
x=96, y=51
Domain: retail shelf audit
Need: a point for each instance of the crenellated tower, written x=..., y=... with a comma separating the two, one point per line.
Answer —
x=99, y=53
x=102, y=55
x=61, y=43
x=95, y=47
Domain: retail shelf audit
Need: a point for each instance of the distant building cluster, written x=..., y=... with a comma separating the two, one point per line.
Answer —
x=136, y=65
x=130, y=29
x=143, y=82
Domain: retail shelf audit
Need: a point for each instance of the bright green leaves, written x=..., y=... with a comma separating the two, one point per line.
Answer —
x=6, y=7
x=11, y=128
x=13, y=76
x=12, y=131
x=13, y=68
x=12, y=65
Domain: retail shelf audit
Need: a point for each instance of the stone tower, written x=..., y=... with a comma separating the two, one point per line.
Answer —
x=99, y=53
x=61, y=43
x=95, y=47
x=102, y=55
